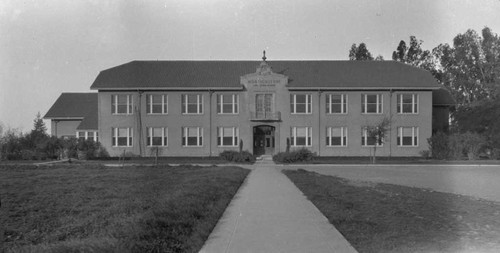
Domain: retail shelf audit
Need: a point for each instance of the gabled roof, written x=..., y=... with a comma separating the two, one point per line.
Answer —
x=72, y=105
x=90, y=121
x=226, y=75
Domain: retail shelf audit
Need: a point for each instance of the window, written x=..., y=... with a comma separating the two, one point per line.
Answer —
x=407, y=103
x=157, y=104
x=336, y=136
x=157, y=136
x=192, y=103
x=87, y=135
x=336, y=103
x=408, y=136
x=371, y=103
x=367, y=141
x=121, y=104
x=81, y=136
x=228, y=136
x=122, y=137
x=300, y=103
x=192, y=136
x=227, y=103
x=301, y=136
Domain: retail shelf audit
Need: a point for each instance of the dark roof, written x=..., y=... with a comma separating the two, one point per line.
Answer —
x=73, y=105
x=442, y=97
x=90, y=121
x=226, y=74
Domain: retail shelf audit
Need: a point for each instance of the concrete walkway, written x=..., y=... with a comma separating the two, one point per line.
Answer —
x=270, y=214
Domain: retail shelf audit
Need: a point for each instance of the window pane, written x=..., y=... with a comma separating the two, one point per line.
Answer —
x=122, y=141
x=227, y=108
x=122, y=132
x=157, y=132
x=122, y=108
x=301, y=141
x=336, y=108
x=192, y=131
x=192, y=108
x=122, y=99
x=192, y=99
x=407, y=141
x=371, y=108
x=336, y=131
x=301, y=131
x=407, y=98
x=157, y=108
x=227, y=131
x=371, y=141
x=192, y=141
x=371, y=98
x=336, y=141
x=300, y=98
x=227, y=141
x=300, y=108
x=157, y=99
x=157, y=141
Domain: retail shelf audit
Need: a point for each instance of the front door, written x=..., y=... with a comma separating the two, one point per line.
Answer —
x=263, y=140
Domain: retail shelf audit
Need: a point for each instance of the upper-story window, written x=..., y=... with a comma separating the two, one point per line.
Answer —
x=157, y=136
x=121, y=104
x=227, y=103
x=300, y=103
x=156, y=104
x=122, y=137
x=371, y=103
x=407, y=103
x=336, y=103
x=192, y=104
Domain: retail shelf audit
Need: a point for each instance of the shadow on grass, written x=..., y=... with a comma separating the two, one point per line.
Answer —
x=391, y=218
x=90, y=208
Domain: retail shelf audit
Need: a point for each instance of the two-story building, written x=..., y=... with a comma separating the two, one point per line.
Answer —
x=201, y=108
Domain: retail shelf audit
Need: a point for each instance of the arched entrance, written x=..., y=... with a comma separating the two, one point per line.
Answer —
x=263, y=140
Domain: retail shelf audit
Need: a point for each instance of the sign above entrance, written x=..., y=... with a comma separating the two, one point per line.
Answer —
x=264, y=82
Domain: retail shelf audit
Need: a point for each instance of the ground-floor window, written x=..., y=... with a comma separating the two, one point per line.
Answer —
x=301, y=136
x=157, y=136
x=407, y=136
x=227, y=136
x=192, y=136
x=336, y=136
x=122, y=137
x=368, y=141
x=87, y=135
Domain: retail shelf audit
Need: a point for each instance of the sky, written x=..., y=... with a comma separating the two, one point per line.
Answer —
x=49, y=47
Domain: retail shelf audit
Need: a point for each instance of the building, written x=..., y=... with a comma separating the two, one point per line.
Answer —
x=201, y=108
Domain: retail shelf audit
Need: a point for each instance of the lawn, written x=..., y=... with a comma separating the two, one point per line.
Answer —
x=91, y=208
x=391, y=218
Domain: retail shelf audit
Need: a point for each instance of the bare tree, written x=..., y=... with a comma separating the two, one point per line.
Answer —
x=376, y=135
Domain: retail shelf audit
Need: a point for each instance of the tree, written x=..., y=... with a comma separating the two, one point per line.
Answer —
x=471, y=68
x=379, y=58
x=377, y=133
x=38, y=135
x=414, y=55
x=360, y=53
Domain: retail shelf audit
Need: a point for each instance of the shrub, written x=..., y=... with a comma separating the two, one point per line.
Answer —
x=439, y=146
x=300, y=155
x=239, y=157
x=425, y=154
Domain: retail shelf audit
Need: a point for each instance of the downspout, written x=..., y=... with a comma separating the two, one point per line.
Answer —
x=210, y=92
x=319, y=122
x=390, y=122
x=139, y=122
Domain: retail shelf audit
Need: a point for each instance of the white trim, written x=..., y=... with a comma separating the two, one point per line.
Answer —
x=235, y=98
x=364, y=136
x=235, y=134
x=164, y=104
x=199, y=136
x=344, y=103
x=414, y=133
x=164, y=134
x=343, y=133
x=114, y=136
x=167, y=88
x=308, y=103
x=308, y=136
x=379, y=104
x=115, y=104
x=199, y=101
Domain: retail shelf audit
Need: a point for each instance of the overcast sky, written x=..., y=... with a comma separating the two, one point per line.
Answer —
x=49, y=47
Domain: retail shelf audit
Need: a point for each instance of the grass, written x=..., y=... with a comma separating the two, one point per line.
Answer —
x=391, y=218
x=91, y=208
x=394, y=160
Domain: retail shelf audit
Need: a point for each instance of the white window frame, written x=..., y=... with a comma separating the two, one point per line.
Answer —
x=364, y=139
x=199, y=137
x=235, y=137
x=164, y=134
x=414, y=134
x=379, y=104
x=114, y=104
x=293, y=98
x=130, y=136
x=343, y=138
x=185, y=104
x=308, y=137
x=343, y=105
x=149, y=104
x=86, y=135
x=235, y=102
x=414, y=103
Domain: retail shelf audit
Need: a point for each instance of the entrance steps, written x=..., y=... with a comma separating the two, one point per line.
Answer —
x=264, y=159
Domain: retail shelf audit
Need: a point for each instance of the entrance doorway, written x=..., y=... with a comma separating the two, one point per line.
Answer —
x=263, y=140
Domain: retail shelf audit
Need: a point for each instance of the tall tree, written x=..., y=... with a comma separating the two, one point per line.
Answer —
x=471, y=68
x=414, y=54
x=360, y=53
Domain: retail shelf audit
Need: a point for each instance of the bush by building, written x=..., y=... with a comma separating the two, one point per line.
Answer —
x=456, y=146
x=300, y=155
x=239, y=157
